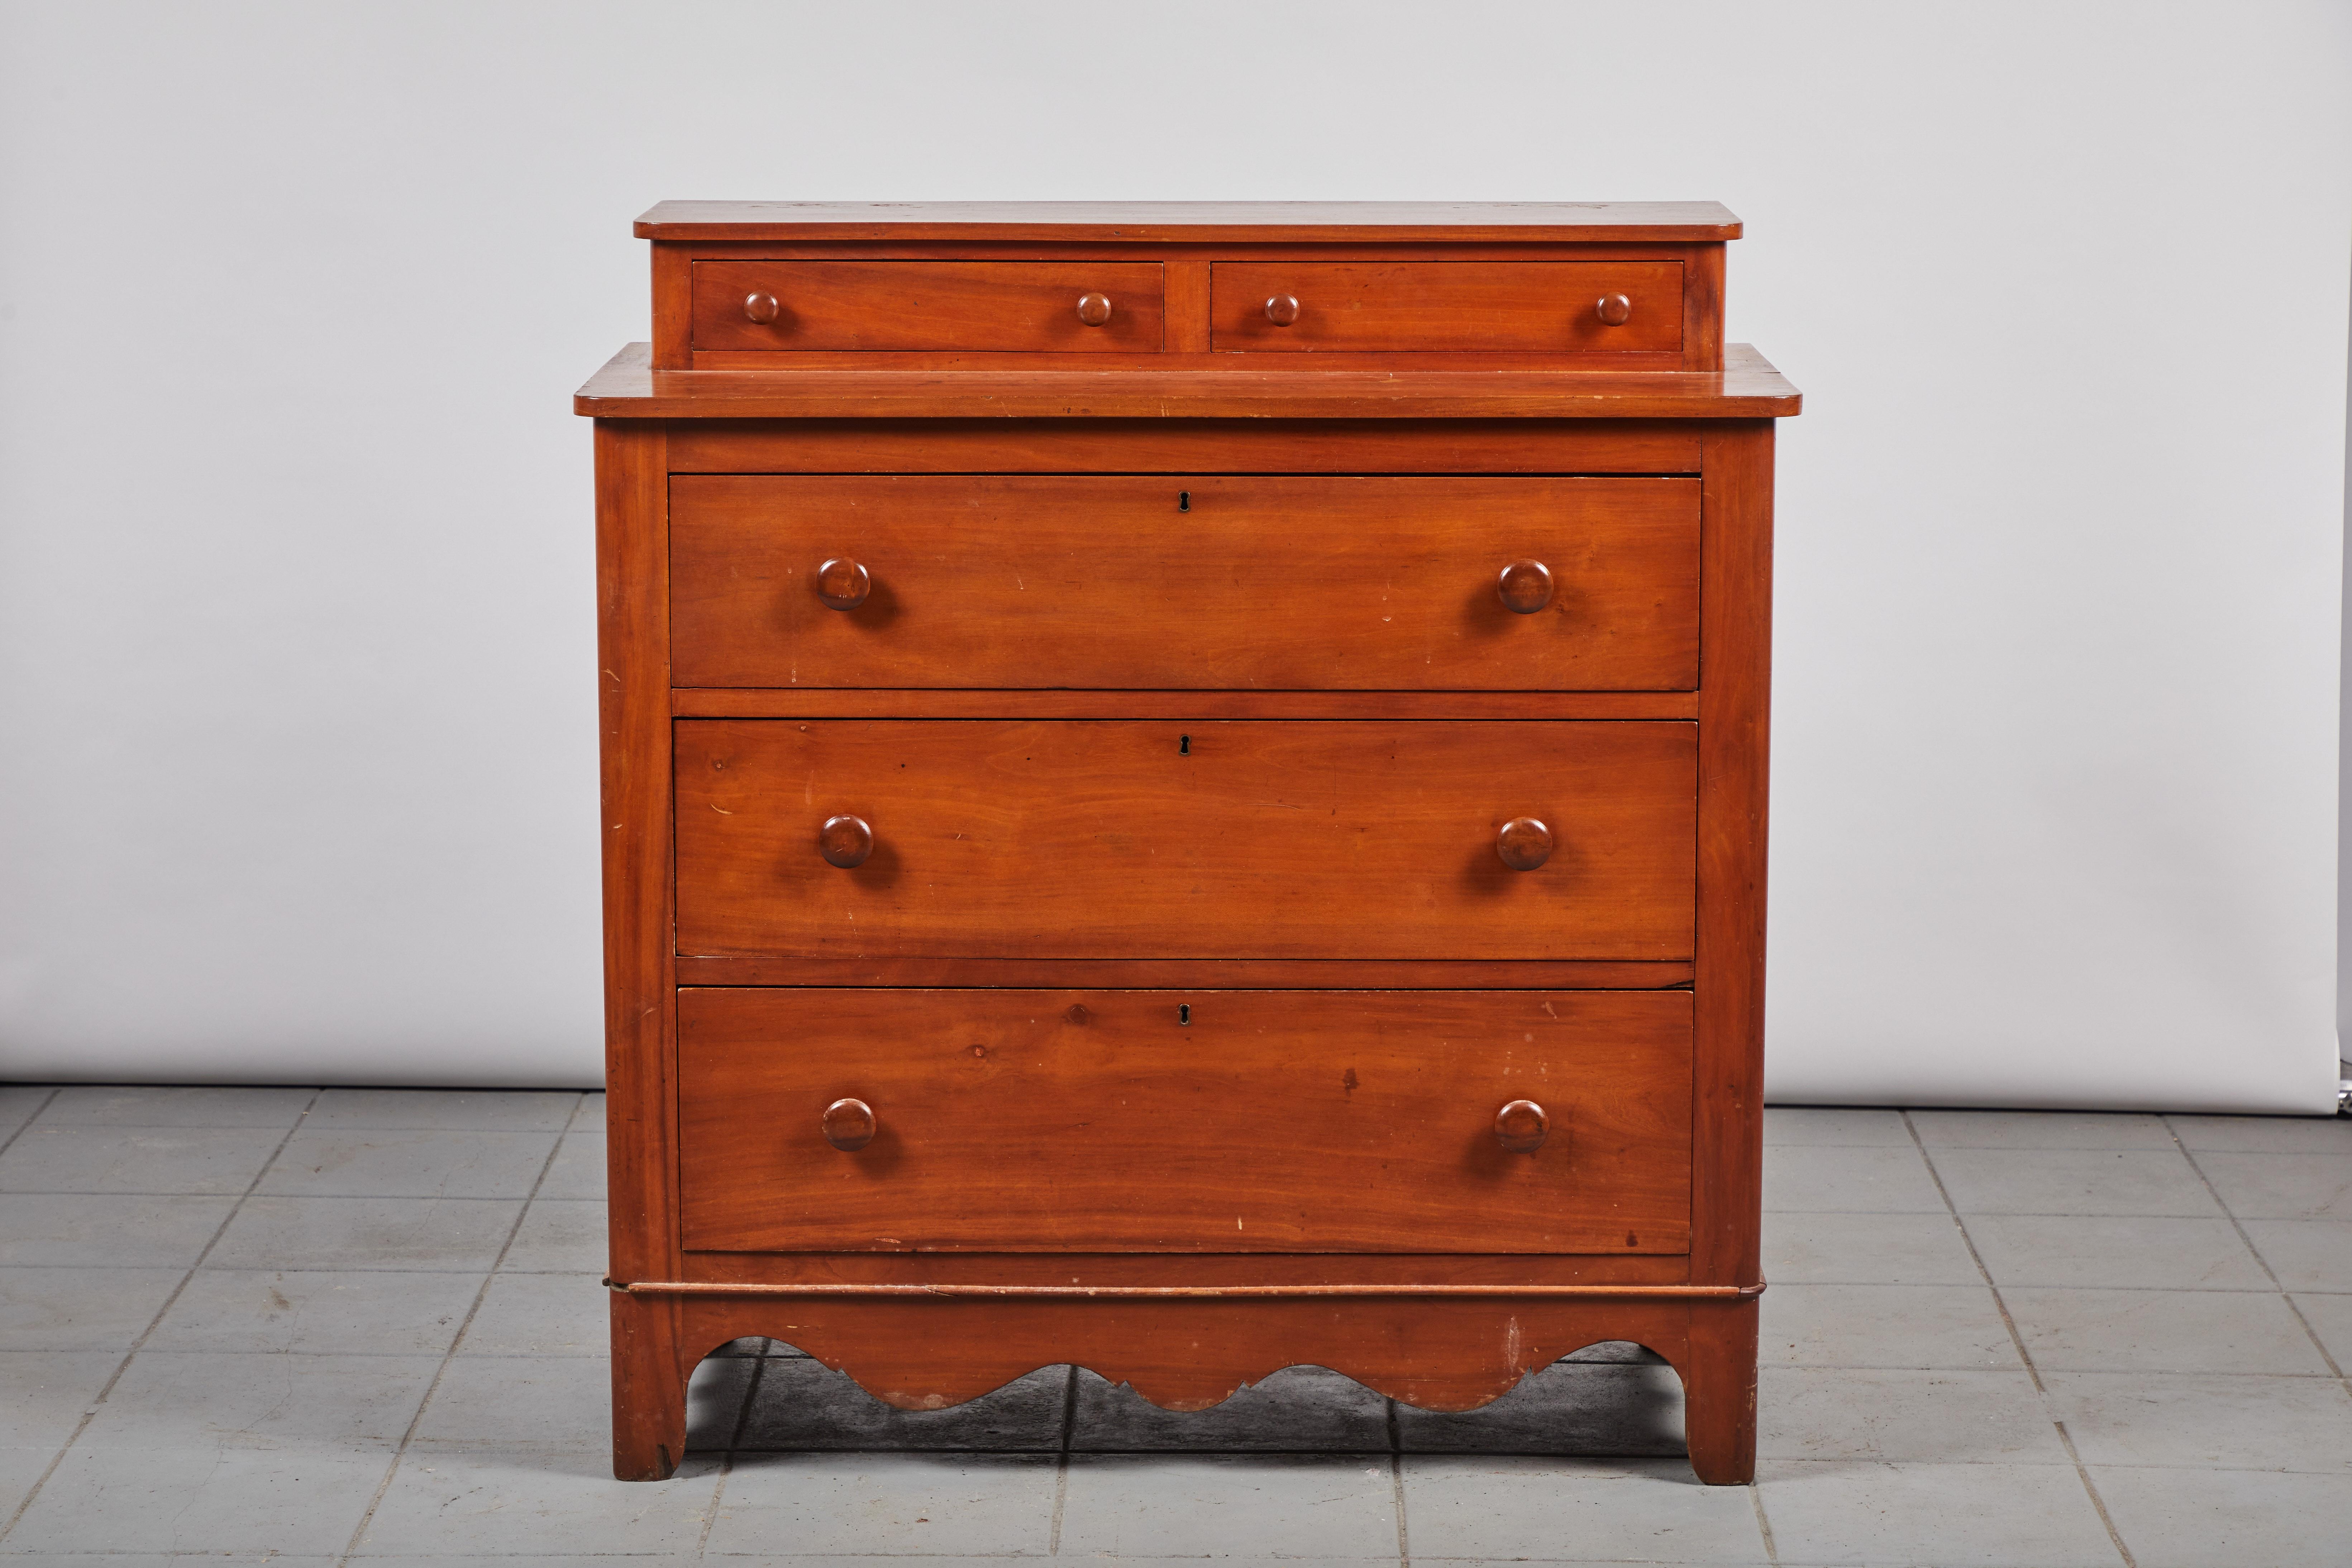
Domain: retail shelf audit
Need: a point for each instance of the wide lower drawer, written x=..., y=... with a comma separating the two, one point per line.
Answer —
x=1146, y=839
x=1527, y=307
x=1171, y=582
x=1036, y=307
x=1194, y=1121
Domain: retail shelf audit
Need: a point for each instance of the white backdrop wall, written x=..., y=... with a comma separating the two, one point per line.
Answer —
x=296, y=670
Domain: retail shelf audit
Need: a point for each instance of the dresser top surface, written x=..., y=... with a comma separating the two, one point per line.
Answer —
x=1209, y=222
x=628, y=387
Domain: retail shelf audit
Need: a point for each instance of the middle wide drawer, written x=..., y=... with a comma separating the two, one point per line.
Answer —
x=1164, y=838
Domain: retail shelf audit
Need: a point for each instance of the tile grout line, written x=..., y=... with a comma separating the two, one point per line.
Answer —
x=1764, y=1525
x=367, y=1517
x=1062, y=1459
x=2040, y=1390
x=726, y=1459
x=2259, y=1261
x=26, y=1124
x=1396, y=1481
x=98, y=1402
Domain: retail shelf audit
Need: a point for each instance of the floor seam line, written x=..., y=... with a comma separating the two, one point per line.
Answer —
x=98, y=1401
x=26, y=1124
x=1062, y=1459
x=2040, y=1389
x=1396, y=1481
x=489, y=1276
x=2262, y=1262
x=1764, y=1525
x=2098, y=1502
x=734, y=1447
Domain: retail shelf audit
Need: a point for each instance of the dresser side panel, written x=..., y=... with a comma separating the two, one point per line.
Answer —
x=633, y=680
x=1735, y=697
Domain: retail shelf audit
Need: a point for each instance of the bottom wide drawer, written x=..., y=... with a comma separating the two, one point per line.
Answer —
x=1188, y=1120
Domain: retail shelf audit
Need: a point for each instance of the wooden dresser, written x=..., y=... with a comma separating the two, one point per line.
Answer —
x=1184, y=792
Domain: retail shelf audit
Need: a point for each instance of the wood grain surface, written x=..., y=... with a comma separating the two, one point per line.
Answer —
x=1494, y=307
x=1154, y=840
x=1276, y=581
x=959, y=306
x=1454, y=222
x=1221, y=1121
x=1181, y=447
x=1745, y=388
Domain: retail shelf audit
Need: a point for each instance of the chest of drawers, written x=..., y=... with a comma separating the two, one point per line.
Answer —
x=1183, y=791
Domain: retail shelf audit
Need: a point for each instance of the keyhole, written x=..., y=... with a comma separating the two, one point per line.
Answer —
x=1183, y=500
x=1183, y=1012
x=1183, y=746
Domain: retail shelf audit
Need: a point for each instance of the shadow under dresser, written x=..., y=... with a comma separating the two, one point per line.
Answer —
x=1184, y=792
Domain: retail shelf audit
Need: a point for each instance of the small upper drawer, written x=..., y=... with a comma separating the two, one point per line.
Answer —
x=1526, y=307
x=1035, y=307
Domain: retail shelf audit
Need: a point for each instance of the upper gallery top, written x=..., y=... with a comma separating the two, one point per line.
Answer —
x=1571, y=286
x=1190, y=221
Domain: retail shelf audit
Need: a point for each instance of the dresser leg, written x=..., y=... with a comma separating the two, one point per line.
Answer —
x=648, y=1388
x=1719, y=1376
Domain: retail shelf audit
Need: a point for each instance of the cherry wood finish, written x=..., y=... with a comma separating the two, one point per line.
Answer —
x=1111, y=1121
x=1198, y=778
x=1186, y=582
x=1241, y=974
x=1098, y=221
x=956, y=305
x=1230, y=387
x=1114, y=839
x=1542, y=307
x=1182, y=446
x=759, y=702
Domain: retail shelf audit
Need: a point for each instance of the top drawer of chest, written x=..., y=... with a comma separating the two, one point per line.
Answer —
x=1214, y=581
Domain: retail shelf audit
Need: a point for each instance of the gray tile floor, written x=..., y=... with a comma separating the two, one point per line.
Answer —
x=324, y=1326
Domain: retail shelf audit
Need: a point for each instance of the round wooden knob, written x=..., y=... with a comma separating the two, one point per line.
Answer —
x=1521, y=1127
x=1524, y=586
x=1615, y=309
x=1282, y=310
x=846, y=842
x=761, y=307
x=1094, y=309
x=843, y=584
x=849, y=1124
x=1524, y=843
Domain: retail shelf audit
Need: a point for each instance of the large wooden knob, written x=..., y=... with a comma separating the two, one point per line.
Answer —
x=1094, y=309
x=1521, y=1127
x=844, y=842
x=1524, y=586
x=761, y=307
x=1524, y=843
x=849, y=1124
x=1282, y=310
x=843, y=584
x=1615, y=309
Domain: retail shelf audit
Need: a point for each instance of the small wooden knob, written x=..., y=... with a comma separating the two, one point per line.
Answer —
x=846, y=842
x=761, y=307
x=1524, y=843
x=1615, y=309
x=1282, y=310
x=843, y=584
x=1524, y=586
x=1521, y=1127
x=1094, y=309
x=849, y=1124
